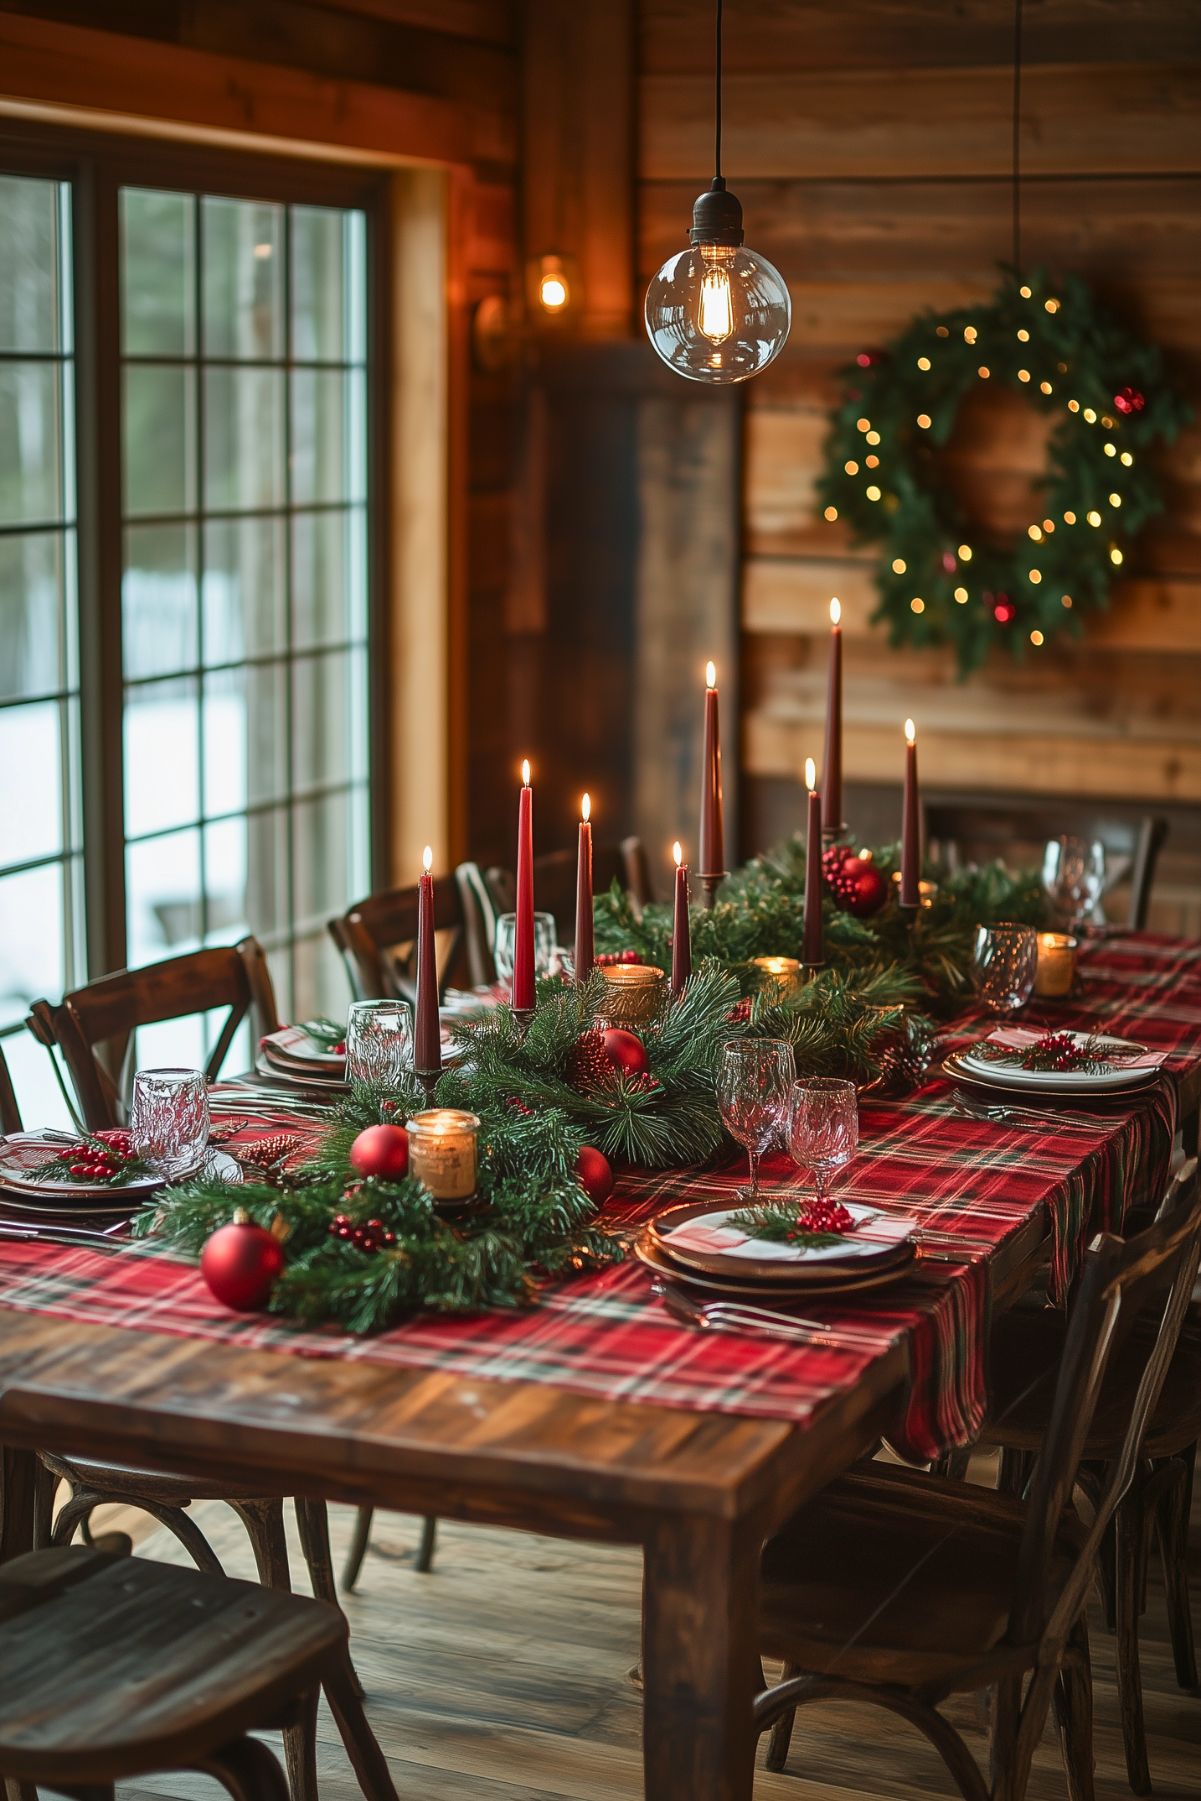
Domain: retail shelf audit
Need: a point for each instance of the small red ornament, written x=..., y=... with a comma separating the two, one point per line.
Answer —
x=626, y=1051
x=240, y=1263
x=950, y=562
x=871, y=358
x=596, y=1176
x=382, y=1152
x=869, y=892
x=1129, y=400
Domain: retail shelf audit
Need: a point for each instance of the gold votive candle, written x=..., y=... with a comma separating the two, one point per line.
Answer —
x=1055, y=975
x=926, y=890
x=633, y=993
x=442, y=1151
x=785, y=972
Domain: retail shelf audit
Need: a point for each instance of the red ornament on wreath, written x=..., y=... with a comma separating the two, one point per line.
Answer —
x=1129, y=400
x=595, y=1174
x=854, y=881
x=626, y=1051
x=382, y=1152
x=240, y=1264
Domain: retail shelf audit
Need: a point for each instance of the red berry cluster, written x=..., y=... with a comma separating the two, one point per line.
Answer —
x=739, y=1012
x=371, y=1235
x=610, y=959
x=824, y=1216
x=87, y=1161
x=519, y=1107
x=1058, y=1050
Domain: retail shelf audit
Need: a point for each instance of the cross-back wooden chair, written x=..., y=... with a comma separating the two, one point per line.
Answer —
x=900, y=1588
x=10, y=1113
x=980, y=828
x=114, y=1668
x=378, y=941
x=94, y=1028
x=555, y=879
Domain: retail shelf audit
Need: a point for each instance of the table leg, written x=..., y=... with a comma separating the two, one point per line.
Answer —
x=17, y=1474
x=699, y=1660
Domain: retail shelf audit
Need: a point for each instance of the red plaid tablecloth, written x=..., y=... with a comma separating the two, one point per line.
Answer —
x=971, y=1184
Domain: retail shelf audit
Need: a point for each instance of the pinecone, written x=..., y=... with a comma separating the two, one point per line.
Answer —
x=906, y=1059
x=266, y=1153
x=589, y=1066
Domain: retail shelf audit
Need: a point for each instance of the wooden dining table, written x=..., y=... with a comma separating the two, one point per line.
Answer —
x=697, y=1487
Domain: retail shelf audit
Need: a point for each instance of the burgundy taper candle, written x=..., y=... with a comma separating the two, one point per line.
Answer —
x=812, y=952
x=911, y=831
x=583, y=895
x=524, y=997
x=832, y=761
x=712, y=852
x=681, y=927
x=427, y=1031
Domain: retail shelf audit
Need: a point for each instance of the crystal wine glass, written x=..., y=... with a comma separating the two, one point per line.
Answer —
x=379, y=1042
x=752, y=1094
x=544, y=945
x=1074, y=877
x=1004, y=964
x=169, y=1120
x=823, y=1126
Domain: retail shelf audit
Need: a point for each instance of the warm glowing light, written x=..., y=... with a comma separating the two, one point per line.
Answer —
x=262, y=252
x=961, y=596
x=1036, y=576
x=1035, y=532
x=830, y=514
x=1023, y=336
x=1115, y=556
x=1093, y=517
x=1048, y=525
x=525, y=772
x=1111, y=450
x=710, y=675
x=1073, y=406
x=872, y=462
x=899, y=565
x=1069, y=518
x=917, y=604
x=1044, y=387
x=923, y=362
x=810, y=774
x=1023, y=375
x=1052, y=306
x=1036, y=637
x=835, y=611
x=1090, y=417
x=1127, y=458
x=923, y=420
x=984, y=372
x=1065, y=600
x=851, y=468
x=677, y=851
x=863, y=425
x=873, y=493
x=969, y=334
x=873, y=437
x=716, y=320
x=1115, y=500
x=940, y=331
x=586, y=807
x=553, y=291
x=965, y=553
x=910, y=732
x=1025, y=292
x=427, y=858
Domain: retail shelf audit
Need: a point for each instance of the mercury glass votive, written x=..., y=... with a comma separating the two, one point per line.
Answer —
x=785, y=972
x=633, y=993
x=1055, y=973
x=442, y=1151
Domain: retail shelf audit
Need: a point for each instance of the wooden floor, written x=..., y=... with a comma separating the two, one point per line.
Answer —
x=502, y=1676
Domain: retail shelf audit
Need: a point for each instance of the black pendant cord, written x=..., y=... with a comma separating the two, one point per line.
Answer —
x=1016, y=145
x=717, y=98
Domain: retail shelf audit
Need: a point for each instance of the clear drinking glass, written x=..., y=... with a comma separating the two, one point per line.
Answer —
x=1074, y=877
x=544, y=945
x=1003, y=966
x=752, y=1093
x=823, y=1126
x=169, y=1120
x=379, y=1042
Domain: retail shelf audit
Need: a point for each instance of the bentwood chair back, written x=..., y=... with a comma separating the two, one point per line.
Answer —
x=555, y=881
x=94, y=1027
x=378, y=941
x=10, y=1113
x=980, y=828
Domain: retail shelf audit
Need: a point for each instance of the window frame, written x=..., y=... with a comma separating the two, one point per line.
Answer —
x=97, y=166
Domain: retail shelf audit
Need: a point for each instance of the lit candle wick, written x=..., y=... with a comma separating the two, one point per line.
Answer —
x=525, y=772
x=810, y=774
x=710, y=675
x=835, y=611
x=910, y=732
x=677, y=852
x=427, y=858
x=586, y=808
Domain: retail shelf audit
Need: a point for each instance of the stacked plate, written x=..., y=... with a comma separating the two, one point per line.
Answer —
x=49, y=1196
x=1126, y=1069
x=699, y=1246
x=290, y=1055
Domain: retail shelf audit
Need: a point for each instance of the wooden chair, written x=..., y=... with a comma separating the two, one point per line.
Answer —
x=378, y=941
x=901, y=1588
x=979, y=828
x=113, y=1668
x=10, y=1113
x=94, y=1027
x=555, y=877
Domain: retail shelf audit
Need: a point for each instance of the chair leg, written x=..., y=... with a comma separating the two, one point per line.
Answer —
x=247, y=1770
x=362, y=1747
x=1074, y=1714
x=312, y=1519
x=358, y=1547
x=781, y=1733
x=264, y=1523
x=300, y=1749
x=425, y=1548
x=1129, y=1556
x=45, y=1486
x=1172, y=1522
x=180, y=1524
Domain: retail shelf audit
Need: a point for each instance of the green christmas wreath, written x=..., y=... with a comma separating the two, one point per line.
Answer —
x=1109, y=401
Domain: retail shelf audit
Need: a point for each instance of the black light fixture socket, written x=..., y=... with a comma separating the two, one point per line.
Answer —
x=717, y=216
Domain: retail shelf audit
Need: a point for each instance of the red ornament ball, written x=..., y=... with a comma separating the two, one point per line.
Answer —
x=596, y=1176
x=869, y=891
x=240, y=1263
x=382, y=1152
x=1129, y=400
x=626, y=1051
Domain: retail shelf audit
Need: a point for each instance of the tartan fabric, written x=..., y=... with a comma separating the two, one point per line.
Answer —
x=970, y=1184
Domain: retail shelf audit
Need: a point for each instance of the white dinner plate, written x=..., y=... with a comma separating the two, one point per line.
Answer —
x=1118, y=1076
x=702, y=1238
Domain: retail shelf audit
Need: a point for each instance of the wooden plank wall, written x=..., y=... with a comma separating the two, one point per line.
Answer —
x=869, y=142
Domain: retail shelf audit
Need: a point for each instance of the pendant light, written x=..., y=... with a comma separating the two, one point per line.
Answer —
x=717, y=312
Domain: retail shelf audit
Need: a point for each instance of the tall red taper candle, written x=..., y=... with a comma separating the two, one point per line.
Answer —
x=523, y=941
x=712, y=853
x=583, y=895
x=911, y=830
x=427, y=1034
x=832, y=760
x=681, y=928
x=812, y=952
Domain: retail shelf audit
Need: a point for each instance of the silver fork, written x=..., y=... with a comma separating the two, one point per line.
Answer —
x=749, y=1317
x=998, y=1112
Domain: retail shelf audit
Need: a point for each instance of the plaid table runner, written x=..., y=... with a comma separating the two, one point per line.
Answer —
x=971, y=1184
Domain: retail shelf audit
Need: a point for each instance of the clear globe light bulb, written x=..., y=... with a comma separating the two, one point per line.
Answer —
x=717, y=312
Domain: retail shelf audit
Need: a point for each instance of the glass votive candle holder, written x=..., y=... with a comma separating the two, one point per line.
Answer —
x=633, y=993
x=926, y=890
x=1055, y=972
x=784, y=972
x=443, y=1150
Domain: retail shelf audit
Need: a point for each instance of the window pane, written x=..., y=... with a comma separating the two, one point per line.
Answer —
x=243, y=438
x=28, y=264
x=31, y=613
x=329, y=714
x=243, y=279
x=32, y=939
x=38, y=1094
x=328, y=458
x=245, y=600
x=162, y=899
x=158, y=273
x=30, y=444
x=158, y=600
x=328, y=276
x=245, y=740
x=30, y=743
x=329, y=577
x=158, y=430
x=326, y=862
x=321, y=985
x=162, y=785
x=173, y=1044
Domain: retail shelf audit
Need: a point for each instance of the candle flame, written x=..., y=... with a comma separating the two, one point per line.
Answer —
x=427, y=858
x=586, y=807
x=710, y=675
x=835, y=611
x=910, y=732
x=525, y=772
x=810, y=774
x=677, y=851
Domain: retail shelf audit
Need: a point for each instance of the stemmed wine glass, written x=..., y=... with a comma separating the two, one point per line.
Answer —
x=1074, y=877
x=752, y=1093
x=823, y=1127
